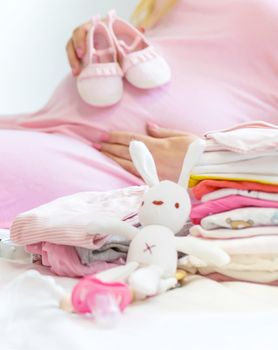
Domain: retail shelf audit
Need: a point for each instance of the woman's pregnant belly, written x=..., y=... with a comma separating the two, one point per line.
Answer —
x=224, y=60
x=37, y=168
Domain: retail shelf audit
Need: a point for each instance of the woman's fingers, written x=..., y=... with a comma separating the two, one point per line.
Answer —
x=124, y=163
x=79, y=40
x=73, y=59
x=124, y=138
x=120, y=151
x=76, y=47
x=157, y=132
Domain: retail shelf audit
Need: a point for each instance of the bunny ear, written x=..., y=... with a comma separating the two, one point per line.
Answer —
x=193, y=154
x=143, y=162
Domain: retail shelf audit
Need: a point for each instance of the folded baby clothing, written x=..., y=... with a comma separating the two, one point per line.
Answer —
x=236, y=184
x=200, y=211
x=244, y=193
x=63, y=260
x=59, y=234
x=245, y=138
x=199, y=231
x=207, y=186
x=65, y=220
x=112, y=250
x=253, y=259
x=252, y=149
x=58, y=231
x=241, y=218
x=259, y=245
x=256, y=166
x=263, y=179
x=213, y=158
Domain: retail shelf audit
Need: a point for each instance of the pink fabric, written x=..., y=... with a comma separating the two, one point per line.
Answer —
x=66, y=220
x=207, y=186
x=202, y=210
x=64, y=261
x=223, y=55
x=39, y=167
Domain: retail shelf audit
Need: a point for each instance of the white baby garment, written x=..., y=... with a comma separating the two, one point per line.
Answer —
x=241, y=218
x=224, y=233
x=245, y=193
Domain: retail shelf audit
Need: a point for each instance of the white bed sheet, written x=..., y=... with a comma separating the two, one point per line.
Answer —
x=202, y=315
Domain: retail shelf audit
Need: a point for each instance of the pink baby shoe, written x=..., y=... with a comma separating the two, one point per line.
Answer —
x=143, y=67
x=100, y=83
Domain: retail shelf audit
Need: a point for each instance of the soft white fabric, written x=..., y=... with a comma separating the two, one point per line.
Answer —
x=220, y=157
x=31, y=319
x=262, y=138
x=222, y=233
x=252, y=245
x=4, y=234
x=263, y=166
x=240, y=263
x=233, y=191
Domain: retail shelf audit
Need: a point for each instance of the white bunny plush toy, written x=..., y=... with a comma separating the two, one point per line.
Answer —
x=153, y=253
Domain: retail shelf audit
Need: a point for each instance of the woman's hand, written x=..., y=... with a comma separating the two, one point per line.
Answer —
x=168, y=148
x=76, y=47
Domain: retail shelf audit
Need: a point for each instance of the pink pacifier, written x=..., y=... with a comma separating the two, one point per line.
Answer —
x=104, y=301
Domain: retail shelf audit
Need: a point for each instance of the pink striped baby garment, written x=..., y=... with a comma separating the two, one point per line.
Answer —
x=65, y=220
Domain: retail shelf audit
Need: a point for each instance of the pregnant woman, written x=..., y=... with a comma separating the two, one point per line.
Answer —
x=224, y=60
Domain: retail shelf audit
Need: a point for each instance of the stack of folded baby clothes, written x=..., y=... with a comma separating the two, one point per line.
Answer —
x=236, y=182
x=58, y=234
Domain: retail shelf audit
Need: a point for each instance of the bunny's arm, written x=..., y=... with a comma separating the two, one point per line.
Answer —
x=118, y=273
x=205, y=251
x=112, y=226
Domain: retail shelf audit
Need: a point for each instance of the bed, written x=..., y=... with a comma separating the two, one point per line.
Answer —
x=203, y=314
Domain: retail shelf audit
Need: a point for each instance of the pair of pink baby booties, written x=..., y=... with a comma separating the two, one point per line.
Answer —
x=117, y=50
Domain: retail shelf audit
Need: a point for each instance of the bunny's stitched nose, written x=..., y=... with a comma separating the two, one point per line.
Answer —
x=158, y=202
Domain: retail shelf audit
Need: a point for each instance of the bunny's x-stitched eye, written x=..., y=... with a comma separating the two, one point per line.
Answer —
x=177, y=205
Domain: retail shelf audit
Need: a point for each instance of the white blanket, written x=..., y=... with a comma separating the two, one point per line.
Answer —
x=202, y=315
